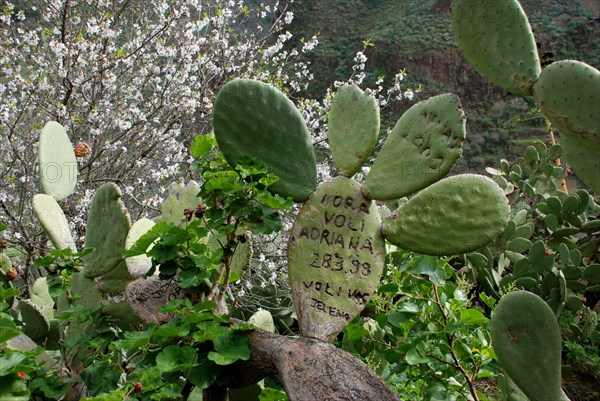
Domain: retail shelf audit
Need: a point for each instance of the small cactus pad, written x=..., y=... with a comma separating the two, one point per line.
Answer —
x=526, y=338
x=252, y=118
x=422, y=148
x=497, y=40
x=584, y=158
x=140, y=264
x=122, y=314
x=180, y=197
x=455, y=215
x=263, y=320
x=336, y=257
x=40, y=296
x=353, y=128
x=58, y=165
x=35, y=324
x=53, y=221
x=568, y=92
x=107, y=228
x=115, y=281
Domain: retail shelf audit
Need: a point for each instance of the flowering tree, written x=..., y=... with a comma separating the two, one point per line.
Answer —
x=134, y=80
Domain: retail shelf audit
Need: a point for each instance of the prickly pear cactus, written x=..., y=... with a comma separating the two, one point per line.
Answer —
x=353, y=128
x=58, y=165
x=181, y=196
x=526, y=338
x=35, y=324
x=139, y=265
x=423, y=147
x=107, y=229
x=336, y=251
x=497, y=40
x=568, y=93
x=53, y=221
x=254, y=118
x=336, y=256
x=453, y=216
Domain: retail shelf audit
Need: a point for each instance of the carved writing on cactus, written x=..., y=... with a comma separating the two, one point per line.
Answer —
x=326, y=237
x=330, y=310
x=147, y=296
x=361, y=298
x=335, y=262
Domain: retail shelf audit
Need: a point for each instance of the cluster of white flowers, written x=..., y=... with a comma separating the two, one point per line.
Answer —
x=136, y=85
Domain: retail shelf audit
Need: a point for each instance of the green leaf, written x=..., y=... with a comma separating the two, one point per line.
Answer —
x=428, y=265
x=51, y=386
x=202, y=145
x=274, y=201
x=203, y=374
x=229, y=348
x=271, y=394
x=413, y=357
x=8, y=330
x=9, y=362
x=175, y=358
x=100, y=378
x=173, y=328
x=472, y=316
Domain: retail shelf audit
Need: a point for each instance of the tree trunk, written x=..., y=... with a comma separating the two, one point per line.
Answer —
x=310, y=370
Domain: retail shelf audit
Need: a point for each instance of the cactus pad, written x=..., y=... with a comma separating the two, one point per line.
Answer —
x=353, y=128
x=422, y=148
x=140, y=264
x=336, y=257
x=497, y=40
x=53, y=221
x=455, y=215
x=40, y=296
x=58, y=165
x=252, y=118
x=180, y=197
x=35, y=324
x=107, y=228
x=568, y=93
x=263, y=320
x=526, y=339
x=115, y=281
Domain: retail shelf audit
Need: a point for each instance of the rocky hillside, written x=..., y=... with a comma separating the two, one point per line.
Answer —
x=416, y=36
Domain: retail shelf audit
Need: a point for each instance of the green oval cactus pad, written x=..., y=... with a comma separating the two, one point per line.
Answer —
x=35, y=324
x=115, y=281
x=421, y=149
x=584, y=158
x=526, y=339
x=180, y=197
x=40, y=296
x=263, y=320
x=496, y=38
x=53, y=221
x=455, y=215
x=336, y=257
x=140, y=264
x=58, y=165
x=252, y=118
x=107, y=227
x=353, y=128
x=568, y=92
x=121, y=313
